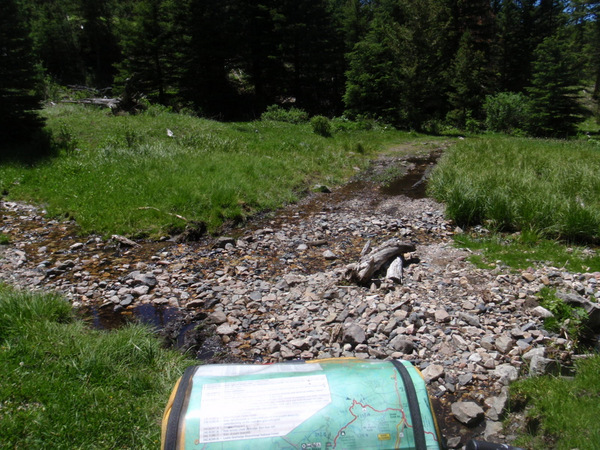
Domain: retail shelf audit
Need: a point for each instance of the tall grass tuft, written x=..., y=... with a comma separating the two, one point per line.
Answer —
x=67, y=386
x=19, y=308
x=550, y=187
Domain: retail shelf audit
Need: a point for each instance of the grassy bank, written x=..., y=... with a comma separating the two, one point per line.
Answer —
x=65, y=386
x=562, y=413
x=524, y=250
x=549, y=187
x=134, y=174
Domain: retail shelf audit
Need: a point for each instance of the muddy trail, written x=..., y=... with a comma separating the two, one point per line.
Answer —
x=275, y=290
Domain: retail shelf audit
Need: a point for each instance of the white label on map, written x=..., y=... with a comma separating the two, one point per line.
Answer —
x=259, y=408
x=236, y=370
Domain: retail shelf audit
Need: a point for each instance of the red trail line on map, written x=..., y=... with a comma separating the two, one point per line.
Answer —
x=354, y=403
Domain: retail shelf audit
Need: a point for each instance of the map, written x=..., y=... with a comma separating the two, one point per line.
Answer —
x=329, y=404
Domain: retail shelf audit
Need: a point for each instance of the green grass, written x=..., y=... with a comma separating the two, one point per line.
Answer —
x=112, y=166
x=4, y=239
x=527, y=249
x=65, y=386
x=565, y=318
x=563, y=413
x=550, y=187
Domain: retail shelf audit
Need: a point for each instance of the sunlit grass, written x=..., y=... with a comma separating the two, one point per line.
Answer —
x=133, y=174
x=66, y=386
x=549, y=187
x=562, y=413
x=524, y=250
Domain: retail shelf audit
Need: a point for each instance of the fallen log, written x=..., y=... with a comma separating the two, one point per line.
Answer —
x=110, y=103
x=362, y=272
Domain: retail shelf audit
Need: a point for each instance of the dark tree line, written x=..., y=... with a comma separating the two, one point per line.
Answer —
x=407, y=62
x=18, y=80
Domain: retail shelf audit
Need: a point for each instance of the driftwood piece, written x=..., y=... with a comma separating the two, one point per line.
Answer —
x=362, y=271
x=366, y=249
x=124, y=241
x=394, y=272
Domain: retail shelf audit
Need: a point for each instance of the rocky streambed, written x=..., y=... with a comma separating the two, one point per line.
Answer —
x=276, y=291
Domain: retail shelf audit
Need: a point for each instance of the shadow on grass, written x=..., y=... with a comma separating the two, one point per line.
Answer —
x=28, y=148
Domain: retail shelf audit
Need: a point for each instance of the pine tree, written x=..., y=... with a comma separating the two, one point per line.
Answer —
x=353, y=18
x=18, y=102
x=258, y=51
x=549, y=17
x=312, y=53
x=375, y=80
x=56, y=31
x=210, y=57
x=99, y=49
x=553, y=90
x=151, y=50
x=398, y=72
x=469, y=82
x=514, y=44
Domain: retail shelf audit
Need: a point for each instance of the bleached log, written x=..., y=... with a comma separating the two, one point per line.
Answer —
x=124, y=241
x=366, y=249
x=362, y=271
x=394, y=272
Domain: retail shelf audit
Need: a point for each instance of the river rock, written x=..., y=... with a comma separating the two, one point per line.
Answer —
x=402, y=344
x=278, y=297
x=497, y=405
x=217, y=318
x=469, y=318
x=541, y=312
x=592, y=309
x=432, y=372
x=493, y=430
x=225, y=329
x=506, y=373
x=223, y=241
x=126, y=300
x=539, y=365
x=442, y=316
x=147, y=279
x=504, y=343
x=140, y=290
x=538, y=351
x=329, y=255
x=468, y=413
x=354, y=334
x=300, y=344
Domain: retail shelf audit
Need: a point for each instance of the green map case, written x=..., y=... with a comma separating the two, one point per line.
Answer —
x=342, y=403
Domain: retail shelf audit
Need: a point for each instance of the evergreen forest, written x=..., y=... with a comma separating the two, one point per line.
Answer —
x=504, y=65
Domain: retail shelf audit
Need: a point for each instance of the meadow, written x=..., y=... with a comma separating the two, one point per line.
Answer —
x=136, y=174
